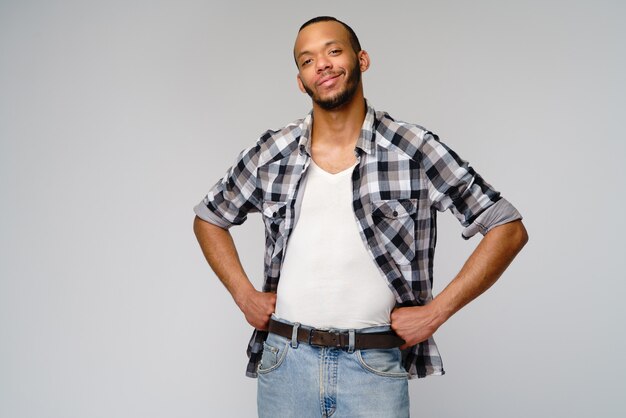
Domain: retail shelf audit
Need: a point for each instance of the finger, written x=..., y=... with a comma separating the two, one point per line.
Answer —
x=406, y=345
x=263, y=326
x=398, y=325
x=394, y=316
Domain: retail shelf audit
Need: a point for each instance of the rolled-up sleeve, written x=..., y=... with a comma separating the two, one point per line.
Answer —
x=499, y=213
x=454, y=185
x=235, y=195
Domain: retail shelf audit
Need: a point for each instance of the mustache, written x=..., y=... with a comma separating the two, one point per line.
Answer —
x=329, y=73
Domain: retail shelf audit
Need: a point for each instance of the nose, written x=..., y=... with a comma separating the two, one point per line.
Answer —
x=323, y=63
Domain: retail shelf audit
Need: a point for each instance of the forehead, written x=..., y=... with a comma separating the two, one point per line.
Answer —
x=319, y=34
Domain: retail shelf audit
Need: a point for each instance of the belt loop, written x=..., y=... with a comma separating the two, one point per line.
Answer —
x=294, y=335
x=351, y=338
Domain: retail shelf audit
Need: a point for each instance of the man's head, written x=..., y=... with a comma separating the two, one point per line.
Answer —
x=330, y=61
x=354, y=40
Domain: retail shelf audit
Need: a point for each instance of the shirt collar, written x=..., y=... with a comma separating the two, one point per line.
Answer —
x=366, y=137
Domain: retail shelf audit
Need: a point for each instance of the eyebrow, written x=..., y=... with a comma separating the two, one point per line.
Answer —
x=327, y=44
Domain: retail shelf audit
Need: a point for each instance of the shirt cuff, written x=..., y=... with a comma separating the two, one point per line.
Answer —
x=204, y=213
x=499, y=213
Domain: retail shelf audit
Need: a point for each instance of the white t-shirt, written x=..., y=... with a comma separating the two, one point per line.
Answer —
x=328, y=278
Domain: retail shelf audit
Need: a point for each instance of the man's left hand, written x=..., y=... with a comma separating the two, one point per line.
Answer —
x=415, y=324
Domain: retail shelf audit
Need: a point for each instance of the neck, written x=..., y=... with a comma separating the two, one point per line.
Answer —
x=341, y=126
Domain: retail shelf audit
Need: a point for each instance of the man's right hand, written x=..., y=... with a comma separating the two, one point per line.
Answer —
x=257, y=308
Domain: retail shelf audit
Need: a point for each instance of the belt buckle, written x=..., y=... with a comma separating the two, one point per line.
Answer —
x=336, y=334
x=311, y=336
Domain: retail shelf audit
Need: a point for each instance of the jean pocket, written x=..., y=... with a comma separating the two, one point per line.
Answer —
x=273, y=356
x=382, y=362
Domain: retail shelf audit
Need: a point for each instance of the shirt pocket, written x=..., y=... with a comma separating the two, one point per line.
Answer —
x=394, y=221
x=274, y=217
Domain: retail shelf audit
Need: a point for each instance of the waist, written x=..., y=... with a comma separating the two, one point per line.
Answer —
x=378, y=337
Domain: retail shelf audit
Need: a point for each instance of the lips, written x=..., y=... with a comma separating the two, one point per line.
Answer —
x=327, y=80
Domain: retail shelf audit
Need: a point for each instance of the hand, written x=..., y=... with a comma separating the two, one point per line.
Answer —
x=414, y=324
x=257, y=308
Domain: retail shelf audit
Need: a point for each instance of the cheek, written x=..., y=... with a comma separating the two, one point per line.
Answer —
x=301, y=85
x=305, y=80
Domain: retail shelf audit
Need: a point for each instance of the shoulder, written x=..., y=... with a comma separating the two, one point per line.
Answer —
x=401, y=137
x=274, y=145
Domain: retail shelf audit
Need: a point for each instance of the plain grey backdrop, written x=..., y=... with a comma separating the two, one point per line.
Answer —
x=116, y=117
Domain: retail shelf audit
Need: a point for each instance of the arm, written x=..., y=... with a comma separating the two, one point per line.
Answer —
x=481, y=270
x=219, y=250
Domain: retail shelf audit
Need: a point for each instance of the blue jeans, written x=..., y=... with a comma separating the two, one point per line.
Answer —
x=297, y=380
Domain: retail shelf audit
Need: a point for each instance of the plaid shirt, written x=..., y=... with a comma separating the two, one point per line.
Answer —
x=404, y=175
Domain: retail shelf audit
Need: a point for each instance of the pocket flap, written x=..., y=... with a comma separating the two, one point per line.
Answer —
x=274, y=209
x=394, y=208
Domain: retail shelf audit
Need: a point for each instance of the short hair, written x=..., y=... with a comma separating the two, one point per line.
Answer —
x=354, y=40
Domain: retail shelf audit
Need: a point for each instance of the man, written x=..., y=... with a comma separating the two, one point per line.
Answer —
x=349, y=196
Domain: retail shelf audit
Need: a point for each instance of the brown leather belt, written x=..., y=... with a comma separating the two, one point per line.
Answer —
x=337, y=339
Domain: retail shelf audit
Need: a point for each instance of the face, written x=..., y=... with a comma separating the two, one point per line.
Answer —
x=329, y=70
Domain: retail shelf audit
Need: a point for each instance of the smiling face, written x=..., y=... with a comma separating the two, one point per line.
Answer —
x=329, y=70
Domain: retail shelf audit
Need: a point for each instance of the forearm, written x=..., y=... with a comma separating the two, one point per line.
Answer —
x=220, y=251
x=482, y=269
x=488, y=261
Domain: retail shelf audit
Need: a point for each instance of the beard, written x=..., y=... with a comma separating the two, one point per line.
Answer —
x=341, y=97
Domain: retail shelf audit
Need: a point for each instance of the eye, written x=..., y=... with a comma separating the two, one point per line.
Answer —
x=335, y=51
x=305, y=62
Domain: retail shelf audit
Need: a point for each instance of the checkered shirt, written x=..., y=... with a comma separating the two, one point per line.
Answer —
x=404, y=175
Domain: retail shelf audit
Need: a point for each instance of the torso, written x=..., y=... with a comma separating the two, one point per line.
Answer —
x=328, y=278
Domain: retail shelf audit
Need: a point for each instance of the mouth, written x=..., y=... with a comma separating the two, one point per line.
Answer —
x=328, y=80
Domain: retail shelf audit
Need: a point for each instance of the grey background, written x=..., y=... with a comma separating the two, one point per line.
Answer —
x=116, y=117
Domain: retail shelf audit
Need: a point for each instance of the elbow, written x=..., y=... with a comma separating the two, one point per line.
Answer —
x=512, y=235
x=519, y=235
x=203, y=228
x=198, y=226
x=525, y=238
x=195, y=225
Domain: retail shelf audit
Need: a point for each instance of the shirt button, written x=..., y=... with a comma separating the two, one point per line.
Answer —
x=275, y=214
x=395, y=213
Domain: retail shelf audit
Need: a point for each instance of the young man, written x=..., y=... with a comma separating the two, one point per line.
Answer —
x=348, y=196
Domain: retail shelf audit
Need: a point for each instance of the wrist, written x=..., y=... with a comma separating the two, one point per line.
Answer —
x=242, y=295
x=440, y=311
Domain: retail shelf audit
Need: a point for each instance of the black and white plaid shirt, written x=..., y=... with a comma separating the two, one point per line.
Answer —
x=403, y=177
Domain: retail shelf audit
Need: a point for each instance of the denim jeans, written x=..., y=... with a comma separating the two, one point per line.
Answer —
x=297, y=380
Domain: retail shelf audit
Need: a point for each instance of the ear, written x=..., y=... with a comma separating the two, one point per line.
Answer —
x=364, y=60
x=300, y=85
